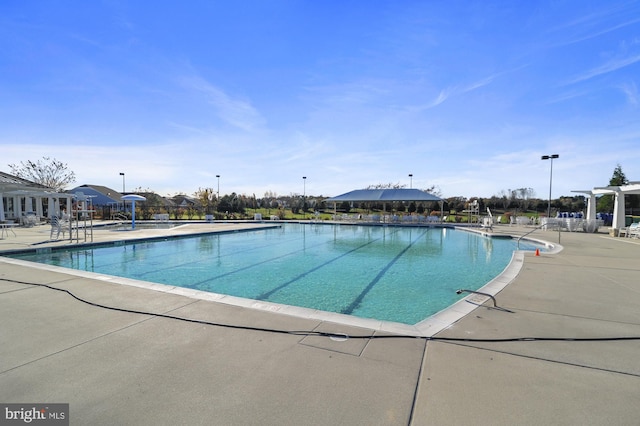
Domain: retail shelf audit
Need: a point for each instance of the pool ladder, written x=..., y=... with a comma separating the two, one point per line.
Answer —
x=495, y=304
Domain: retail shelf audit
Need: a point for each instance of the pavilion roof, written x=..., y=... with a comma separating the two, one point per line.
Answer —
x=399, y=194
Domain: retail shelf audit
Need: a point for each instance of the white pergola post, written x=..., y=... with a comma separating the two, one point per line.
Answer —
x=591, y=203
x=69, y=204
x=28, y=203
x=39, y=206
x=2, y=218
x=17, y=206
x=591, y=206
x=51, y=210
x=618, y=210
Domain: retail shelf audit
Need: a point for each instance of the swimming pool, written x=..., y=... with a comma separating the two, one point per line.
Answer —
x=399, y=274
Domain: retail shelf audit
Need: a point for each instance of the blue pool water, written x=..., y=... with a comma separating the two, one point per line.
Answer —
x=400, y=274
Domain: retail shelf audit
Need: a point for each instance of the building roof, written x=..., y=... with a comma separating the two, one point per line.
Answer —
x=382, y=195
x=100, y=195
x=185, y=201
x=11, y=182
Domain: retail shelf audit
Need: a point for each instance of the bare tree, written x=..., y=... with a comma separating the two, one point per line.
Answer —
x=505, y=198
x=386, y=186
x=524, y=195
x=207, y=197
x=434, y=189
x=47, y=171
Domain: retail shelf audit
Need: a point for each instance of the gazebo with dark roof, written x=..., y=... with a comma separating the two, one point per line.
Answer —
x=384, y=196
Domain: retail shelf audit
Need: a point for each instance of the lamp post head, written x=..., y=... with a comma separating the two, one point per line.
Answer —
x=546, y=157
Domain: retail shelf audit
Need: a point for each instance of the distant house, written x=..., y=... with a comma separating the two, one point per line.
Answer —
x=185, y=201
x=100, y=195
x=156, y=201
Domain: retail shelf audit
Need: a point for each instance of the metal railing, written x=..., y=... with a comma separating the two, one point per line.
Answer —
x=533, y=230
x=495, y=304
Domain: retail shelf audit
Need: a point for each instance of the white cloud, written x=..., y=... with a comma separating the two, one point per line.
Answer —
x=233, y=110
x=457, y=90
x=631, y=92
x=608, y=67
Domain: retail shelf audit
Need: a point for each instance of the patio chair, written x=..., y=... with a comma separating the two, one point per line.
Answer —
x=633, y=231
x=57, y=226
x=487, y=223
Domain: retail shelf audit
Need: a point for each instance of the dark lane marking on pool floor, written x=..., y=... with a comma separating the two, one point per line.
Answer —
x=139, y=250
x=358, y=300
x=219, y=256
x=253, y=265
x=265, y=296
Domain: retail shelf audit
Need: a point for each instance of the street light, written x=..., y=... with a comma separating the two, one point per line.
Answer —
x=411, y=180
x=550, y=157
x=122, y=174
x=304, y=194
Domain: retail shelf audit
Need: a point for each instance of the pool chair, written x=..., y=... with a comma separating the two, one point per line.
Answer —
x=633, y=231
x=487, y=223
x=57, y=226
x=29, y=220
x=623, y=232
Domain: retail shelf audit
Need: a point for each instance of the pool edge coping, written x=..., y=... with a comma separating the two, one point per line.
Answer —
x=427, y=327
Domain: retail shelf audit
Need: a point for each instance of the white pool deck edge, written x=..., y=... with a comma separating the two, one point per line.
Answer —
x=425, y=328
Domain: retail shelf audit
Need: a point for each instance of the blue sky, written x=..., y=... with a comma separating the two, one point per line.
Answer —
x=464, y=95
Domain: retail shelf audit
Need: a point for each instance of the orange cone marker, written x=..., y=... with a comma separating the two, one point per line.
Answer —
x=537, y=252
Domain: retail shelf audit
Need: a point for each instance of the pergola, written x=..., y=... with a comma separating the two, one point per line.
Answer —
x=384, y=196
x=618, y=207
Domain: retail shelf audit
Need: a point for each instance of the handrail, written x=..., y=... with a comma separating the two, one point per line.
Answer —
x=524, y=235
x=536, y=228
x=495, y=304
x=118, y=216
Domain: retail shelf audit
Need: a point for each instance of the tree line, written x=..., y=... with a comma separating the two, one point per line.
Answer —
x=55, y=174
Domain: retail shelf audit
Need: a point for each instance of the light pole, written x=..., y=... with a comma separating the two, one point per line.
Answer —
x=304, y=194
x=122, y=174
x=218, y=193
x=410, y=180
x=550, y=157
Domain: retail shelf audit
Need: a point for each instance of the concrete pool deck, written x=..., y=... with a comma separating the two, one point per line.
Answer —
x=119, y=367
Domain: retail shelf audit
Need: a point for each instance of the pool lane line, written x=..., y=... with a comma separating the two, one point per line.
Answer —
x=358, y=300
x=150, y=260
x=265, y=296
x=170, y=265
x=219, y=256
x=197, y=285
x=253, y=265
